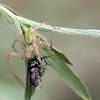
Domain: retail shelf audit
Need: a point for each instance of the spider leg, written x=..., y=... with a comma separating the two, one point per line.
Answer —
x=11, y=67
x=41, y=36
x=44, y=23
x=35, y=45
x=36, y=51
x=20, y=31
x=22, y=36
x=20, y=43
x=45, y=44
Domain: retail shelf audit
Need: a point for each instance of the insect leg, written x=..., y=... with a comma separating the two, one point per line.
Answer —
x=43, y=70
x=43, y=67
x=11, y=67
x=46, y=61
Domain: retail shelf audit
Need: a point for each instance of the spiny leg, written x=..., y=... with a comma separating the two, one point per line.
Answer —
x=44, y=44
x=20, y=31
x=36, y=51
x=20, y=43
x=41, y=36
x=35, y=46
x=22, y=36
x=44, y=23
x=40, y=47
x=11, y=67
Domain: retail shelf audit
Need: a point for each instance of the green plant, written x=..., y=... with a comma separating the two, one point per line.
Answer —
x=59, y=61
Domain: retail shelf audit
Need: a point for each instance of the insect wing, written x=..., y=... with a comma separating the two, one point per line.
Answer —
x=35, y=77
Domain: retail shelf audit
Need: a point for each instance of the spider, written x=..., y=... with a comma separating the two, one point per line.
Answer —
x=29, y=40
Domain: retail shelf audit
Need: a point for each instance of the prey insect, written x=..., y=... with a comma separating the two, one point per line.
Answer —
x=36, y=70
x=29, y=40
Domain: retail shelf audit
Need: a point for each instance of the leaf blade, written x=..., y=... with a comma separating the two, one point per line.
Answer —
x=62, y=55
x=14, y=12
x=8, y=20
x=67, y=75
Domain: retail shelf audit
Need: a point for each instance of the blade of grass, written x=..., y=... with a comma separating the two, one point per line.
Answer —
x=10, y=9
x=8, y=20
x=67, y=74
x=61, y=30
x=61, y=55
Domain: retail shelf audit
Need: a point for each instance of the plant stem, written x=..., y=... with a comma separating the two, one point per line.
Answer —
x=29, y=89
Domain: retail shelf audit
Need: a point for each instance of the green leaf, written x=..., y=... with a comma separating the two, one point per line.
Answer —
x=8, y=20
x=61, y=55
x=59, y=65
x=14, y=12
x=62, y=30
x=59, y=30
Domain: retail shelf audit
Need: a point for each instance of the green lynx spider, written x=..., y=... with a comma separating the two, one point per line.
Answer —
x=30, y=39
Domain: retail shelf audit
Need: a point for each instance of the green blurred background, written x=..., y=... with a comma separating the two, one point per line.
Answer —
x=84, y=52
